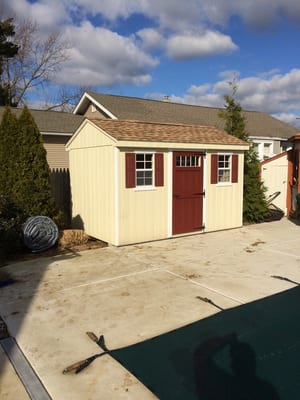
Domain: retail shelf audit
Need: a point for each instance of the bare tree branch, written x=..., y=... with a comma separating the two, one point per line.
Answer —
x=65, y=99
x=37, y=61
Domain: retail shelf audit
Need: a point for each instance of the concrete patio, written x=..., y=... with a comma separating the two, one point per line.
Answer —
x=130, y=294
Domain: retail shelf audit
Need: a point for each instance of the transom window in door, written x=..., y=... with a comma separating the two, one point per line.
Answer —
x=224, y=168
x=188, y=161
x=144, y=169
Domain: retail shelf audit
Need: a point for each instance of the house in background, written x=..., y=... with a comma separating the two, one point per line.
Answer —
x=56, y=129
x=281, y=173
x=293, y=201
x=269, y=134
x=134, y=181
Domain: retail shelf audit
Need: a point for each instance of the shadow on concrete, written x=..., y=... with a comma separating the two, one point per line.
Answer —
x=248, y=352
x=26, y=278
x=294, y=220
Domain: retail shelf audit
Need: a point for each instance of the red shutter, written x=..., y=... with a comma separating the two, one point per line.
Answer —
x=159, y=169
x=235, y=168
x=130, y=170
x=214, y=169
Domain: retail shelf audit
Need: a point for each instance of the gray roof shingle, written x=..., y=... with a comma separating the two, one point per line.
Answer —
x=52, y=121
x=133, y=108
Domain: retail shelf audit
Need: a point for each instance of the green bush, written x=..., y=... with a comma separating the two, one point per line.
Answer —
x=24, y=172
x=11, y=219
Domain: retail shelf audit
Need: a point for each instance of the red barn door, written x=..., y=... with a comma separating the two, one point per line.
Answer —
x=187, y=192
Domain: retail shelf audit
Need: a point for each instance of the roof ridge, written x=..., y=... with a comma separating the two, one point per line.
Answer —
x=154, y=123
x=169, y=102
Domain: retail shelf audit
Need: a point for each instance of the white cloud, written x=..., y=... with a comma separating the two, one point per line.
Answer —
x=292, y=119
x=173, y=14
x=183, y=30
x=179, y=14
x=50, y=15
x=102, y=57
x=188, y=46
x=277, y=94
x=151, y=39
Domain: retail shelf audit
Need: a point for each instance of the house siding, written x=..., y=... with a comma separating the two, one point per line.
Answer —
x=224, y=203
x=94, y=112
x=143, y=214
x=57, y=156
x=92, y=183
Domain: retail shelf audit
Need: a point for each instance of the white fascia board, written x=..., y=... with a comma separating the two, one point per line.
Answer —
x=181, y=146
x=85, y=97
x=270, y=138
x=80, y=103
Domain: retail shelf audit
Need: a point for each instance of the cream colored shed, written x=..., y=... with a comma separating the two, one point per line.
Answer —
x=138, y=181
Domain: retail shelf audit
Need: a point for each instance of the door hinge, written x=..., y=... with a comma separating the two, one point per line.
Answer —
x=203, y=227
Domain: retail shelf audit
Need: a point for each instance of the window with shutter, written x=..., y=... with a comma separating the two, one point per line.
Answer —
x=159, y=169
x=214, y=169
x=144, y=169
x=130, y=170
x=234, y=168
x=224, y=168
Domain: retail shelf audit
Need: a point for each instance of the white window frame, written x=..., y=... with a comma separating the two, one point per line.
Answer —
x=145, y=187
x=229, y=182
x=188, y=161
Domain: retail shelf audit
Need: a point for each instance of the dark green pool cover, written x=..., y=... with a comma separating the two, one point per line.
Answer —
x=248, y=352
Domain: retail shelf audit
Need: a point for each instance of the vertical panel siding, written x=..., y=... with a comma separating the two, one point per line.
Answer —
x=224, y=203
x=274, y=175
x=92, y=190
x=143, y=214
x=92, y=183
x=57, y=156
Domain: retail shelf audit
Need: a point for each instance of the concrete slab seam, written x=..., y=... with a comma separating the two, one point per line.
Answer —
x=204, y=286
x=111, y=279
x=283, y=253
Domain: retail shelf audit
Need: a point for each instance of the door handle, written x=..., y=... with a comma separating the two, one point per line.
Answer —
x=200, y=193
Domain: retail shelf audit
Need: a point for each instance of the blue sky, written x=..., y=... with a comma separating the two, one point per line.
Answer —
x=188, y=50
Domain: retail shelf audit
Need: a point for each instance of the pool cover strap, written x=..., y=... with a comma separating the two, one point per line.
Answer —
x=81, y=365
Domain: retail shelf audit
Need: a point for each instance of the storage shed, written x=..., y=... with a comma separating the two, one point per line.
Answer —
x=140, y=181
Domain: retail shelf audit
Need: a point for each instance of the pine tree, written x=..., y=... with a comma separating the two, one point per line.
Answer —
x=254, y=201
x=9, y=152
x=8, y=50
x=32, y=189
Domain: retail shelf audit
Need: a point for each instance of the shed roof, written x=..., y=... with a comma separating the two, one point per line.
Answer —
x=52, y=121
x=132, y=108
x=172, y=133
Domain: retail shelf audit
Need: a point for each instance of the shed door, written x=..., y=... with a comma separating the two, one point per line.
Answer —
x=187, y=192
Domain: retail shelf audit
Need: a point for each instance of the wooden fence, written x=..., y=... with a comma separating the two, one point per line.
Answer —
x=60, y=183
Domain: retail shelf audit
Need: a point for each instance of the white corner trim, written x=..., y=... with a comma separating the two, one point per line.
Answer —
x=204, y=169
x=94, y=102
x=170, y=193
x=116, y=197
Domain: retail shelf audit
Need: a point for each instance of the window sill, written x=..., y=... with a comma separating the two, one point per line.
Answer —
x=224, y=184
x=144, y=188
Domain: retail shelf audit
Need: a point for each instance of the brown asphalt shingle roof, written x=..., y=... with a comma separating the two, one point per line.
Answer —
x=52, y=121
x=132, y=108
x=172, y=133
